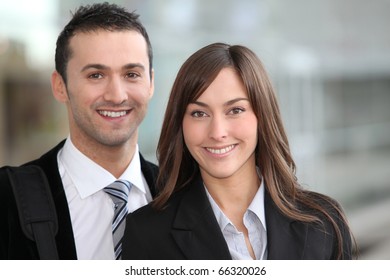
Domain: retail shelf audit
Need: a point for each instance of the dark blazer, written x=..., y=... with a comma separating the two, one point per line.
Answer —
x=187, y=229
x=13, y=243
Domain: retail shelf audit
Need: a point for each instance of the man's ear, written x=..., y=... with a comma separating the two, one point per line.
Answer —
x=58, y=87
x=151, y=91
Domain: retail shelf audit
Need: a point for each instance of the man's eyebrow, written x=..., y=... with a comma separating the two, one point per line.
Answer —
x=134, y=65
x=104, y=67
x=94, y=66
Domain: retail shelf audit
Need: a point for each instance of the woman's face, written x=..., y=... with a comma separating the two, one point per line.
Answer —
x=220, y=128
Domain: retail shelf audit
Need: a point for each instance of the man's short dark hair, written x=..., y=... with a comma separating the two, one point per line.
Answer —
x=94, y=17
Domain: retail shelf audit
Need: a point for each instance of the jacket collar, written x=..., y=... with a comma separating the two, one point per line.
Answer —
x=65, y=240
x=197, y=233
x=195, y=228
x=286, y=237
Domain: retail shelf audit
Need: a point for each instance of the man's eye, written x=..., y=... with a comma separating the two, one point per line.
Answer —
x=96, y=76
x=132, y=75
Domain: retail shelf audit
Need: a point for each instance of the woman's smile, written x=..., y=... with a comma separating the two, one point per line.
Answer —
x=222, y=150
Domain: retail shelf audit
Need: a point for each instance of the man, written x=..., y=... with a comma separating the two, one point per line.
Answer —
x=104, y=77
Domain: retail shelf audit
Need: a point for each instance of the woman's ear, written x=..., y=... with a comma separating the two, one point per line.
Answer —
x=58, y=87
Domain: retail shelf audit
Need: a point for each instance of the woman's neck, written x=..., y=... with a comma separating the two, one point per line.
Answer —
x=234, y=193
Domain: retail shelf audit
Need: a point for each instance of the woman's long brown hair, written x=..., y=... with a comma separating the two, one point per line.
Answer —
x=273, y=156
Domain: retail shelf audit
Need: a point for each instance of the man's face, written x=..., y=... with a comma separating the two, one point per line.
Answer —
x=108, y=87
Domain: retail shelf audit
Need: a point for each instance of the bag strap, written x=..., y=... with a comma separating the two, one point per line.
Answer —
x=37, y=212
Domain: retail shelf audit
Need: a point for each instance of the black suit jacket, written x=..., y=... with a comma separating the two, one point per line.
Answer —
x=187, y=229
x=13, y=243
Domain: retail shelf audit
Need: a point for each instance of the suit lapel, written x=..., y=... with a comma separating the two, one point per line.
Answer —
x=286, y=238
x=65, y=241
x=195, y=228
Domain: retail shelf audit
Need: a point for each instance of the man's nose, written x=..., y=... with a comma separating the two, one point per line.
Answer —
x=115, y=91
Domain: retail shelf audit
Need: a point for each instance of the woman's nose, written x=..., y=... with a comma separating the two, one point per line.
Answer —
x=218, y=129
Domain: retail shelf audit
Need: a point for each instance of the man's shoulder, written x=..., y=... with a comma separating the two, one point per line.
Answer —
x=149, y=169
x=148, y=163
x=150, y=172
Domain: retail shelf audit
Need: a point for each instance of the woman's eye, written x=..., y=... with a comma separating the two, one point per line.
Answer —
x=236, y=111
x=198, y=114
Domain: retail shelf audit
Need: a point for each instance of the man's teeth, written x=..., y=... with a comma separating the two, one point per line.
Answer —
x=220, y=151
x=112, y=114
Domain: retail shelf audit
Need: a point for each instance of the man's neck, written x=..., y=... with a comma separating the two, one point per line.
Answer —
x=115, y=159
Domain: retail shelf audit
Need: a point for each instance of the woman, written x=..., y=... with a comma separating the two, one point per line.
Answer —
x=227, y=180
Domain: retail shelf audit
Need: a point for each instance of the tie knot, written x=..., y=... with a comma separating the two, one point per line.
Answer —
x=119, y=190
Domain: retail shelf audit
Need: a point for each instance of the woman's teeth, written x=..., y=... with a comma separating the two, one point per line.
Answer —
x=220, y=151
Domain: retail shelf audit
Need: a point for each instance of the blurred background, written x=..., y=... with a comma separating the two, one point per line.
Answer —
x=329, y=62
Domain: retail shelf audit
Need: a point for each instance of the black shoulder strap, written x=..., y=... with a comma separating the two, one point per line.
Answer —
x=37, y=213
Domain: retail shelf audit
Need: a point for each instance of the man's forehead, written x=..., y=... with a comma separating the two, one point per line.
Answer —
x=99, y=44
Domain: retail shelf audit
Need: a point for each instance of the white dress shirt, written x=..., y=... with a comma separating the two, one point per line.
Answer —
x=254, y=221
x=91, y=209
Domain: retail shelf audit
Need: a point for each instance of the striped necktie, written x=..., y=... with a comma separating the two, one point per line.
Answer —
x=118, y=191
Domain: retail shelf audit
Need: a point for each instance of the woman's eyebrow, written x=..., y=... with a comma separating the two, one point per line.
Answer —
x=231, y=102
x=227, y=103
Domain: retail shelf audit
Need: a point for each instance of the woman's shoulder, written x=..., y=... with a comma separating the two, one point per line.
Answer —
x=313, y=201
x=151, y=211
x=331, y=220
x=327, y=210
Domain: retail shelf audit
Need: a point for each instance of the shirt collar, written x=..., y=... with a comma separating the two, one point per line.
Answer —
x=89, y=177
x=256, y=206
x=222, y=220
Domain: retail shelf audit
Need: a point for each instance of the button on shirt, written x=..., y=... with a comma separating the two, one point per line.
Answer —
x=254, y=221
x=91, y=209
